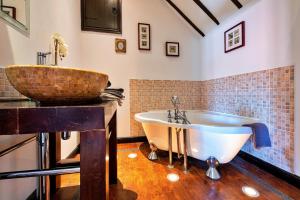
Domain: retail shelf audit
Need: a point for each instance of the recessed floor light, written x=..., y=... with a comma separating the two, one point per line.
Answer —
x=132, y=155
x=172, y=177
x=250, y=191
x=195, y=150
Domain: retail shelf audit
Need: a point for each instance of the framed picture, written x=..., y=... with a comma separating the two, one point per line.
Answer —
x=172, y=49
x=9, y=10
x=144, y=36
x=120, y=45
x=234, y=38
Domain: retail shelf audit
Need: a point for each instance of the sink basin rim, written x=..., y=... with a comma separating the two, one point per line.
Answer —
x=87, y=85
x=53, y=67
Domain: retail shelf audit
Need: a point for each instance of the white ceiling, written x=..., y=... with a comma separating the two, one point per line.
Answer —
x=221, y=9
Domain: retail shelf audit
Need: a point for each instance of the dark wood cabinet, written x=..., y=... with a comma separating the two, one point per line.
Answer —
x=97, y=124
x=101, y=15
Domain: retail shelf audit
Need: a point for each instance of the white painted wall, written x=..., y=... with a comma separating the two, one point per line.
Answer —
x=272, y=36
x=272, y=40
x=47, y=17
x=98, y=51
x=23, y=158
x=92, y=50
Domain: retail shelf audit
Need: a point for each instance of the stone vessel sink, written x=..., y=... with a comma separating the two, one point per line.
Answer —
x=56, y=84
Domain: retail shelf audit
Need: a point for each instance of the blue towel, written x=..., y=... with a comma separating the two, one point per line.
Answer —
x=261, y=134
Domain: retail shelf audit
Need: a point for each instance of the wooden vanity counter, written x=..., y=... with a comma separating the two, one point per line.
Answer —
x=96, y=124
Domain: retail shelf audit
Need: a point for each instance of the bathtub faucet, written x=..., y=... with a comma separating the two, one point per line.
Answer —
x=175, y=102
x=178, y=115
x=181, y=115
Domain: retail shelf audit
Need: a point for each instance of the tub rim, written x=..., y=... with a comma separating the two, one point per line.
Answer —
x=202, y=127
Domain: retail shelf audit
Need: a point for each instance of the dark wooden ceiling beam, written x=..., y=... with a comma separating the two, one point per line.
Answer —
x=185, y=17
x=237, y=4
x=207, y=12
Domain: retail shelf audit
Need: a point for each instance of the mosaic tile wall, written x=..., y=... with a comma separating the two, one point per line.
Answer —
x=148, y=95
x=267, y=95
x=6, y=89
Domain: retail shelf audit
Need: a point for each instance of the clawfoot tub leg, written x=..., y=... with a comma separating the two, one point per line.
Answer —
x=170, y=148
x=185, y=159
x=152, y=155
x=212, y=171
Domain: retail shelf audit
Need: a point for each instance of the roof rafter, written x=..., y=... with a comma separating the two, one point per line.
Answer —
x=185, y=17
x=237, y=4
x=207, y=12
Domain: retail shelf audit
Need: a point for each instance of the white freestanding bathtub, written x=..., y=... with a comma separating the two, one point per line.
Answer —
x=210, y=134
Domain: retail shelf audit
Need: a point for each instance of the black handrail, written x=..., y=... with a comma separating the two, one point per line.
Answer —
x=17, y=146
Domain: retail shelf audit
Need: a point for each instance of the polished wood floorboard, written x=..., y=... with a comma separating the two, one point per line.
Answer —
x=142, y=179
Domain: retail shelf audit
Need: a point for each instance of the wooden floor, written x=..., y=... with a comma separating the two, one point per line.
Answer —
x=142, y=179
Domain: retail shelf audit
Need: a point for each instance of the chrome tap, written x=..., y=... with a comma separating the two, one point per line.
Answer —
x=175, y=102
x=41, y=57
x=178, y=115
x=184, y=118
x=169, y=116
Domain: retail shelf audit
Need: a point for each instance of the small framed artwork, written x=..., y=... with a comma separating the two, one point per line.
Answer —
x=9, y=10
x=172, y=49
x=144, y=36
x=234, y=37
x=120, y=45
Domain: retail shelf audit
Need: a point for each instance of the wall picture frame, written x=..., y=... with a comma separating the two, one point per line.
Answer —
x=120, y=45
x=172, y=49
x=144, y=36
x=9, y=10
x=234, y=37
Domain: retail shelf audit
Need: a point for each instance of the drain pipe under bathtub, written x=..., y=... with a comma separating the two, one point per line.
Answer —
x=185, y=159
x=170, y=148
